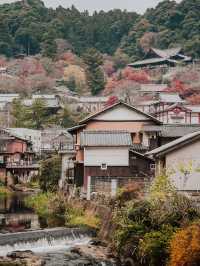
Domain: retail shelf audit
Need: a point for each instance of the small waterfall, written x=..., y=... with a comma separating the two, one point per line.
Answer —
x=42, y=241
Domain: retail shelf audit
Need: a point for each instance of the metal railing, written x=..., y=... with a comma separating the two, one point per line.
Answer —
x=22, y=164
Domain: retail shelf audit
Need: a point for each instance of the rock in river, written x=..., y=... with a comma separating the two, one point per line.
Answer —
x=21, y=258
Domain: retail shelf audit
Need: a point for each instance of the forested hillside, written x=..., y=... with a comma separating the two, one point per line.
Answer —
x=168, y=25
x=29, y=27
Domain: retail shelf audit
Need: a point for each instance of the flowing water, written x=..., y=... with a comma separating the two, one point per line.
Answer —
x=19, y=230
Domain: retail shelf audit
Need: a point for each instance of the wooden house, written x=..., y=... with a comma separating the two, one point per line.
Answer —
x=115, y=131
x=16, y=158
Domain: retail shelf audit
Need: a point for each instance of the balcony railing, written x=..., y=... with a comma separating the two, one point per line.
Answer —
x=22, y=164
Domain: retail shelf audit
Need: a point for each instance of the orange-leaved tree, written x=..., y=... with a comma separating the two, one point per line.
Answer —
x=185, y=247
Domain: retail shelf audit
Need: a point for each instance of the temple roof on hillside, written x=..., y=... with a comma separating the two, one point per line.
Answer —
x=105, y=138
x=49, y=102
x=176, y=144
x=153, y=87
x=166, y=53
x=93, y=99
x=171, y=130
x=170, y=98
x=160, y=57
x=153, y=61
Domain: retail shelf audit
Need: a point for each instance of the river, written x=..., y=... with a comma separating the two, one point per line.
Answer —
x=20, y=230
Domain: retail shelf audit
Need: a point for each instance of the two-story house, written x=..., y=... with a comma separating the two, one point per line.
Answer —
x=16, y=158
x=109, y=143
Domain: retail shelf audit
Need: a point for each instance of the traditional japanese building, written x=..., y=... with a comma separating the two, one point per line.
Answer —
x=168, y=57
x=17, y=159
x=105, y=141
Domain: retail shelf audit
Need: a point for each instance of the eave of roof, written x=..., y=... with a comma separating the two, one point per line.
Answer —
x=141, y=155
x=113, y=106
x=152, y=61
x=75, y=128
x=167, y=53
x=172, y=130
x=171, y=146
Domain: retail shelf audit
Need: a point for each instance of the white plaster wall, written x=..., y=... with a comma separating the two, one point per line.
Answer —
x=121, y=113
x=109, y=155
x=195, y=119
x=188, y=158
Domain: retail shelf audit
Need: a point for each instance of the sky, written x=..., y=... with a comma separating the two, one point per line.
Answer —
x=133, y=5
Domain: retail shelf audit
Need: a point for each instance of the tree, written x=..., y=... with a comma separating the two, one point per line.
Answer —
x=65, y=118
x=24, y=37
x=49, y=47
x=19, y=113
x=111, y=100
x=50, y=172
x=95, y=76
x=185, y=247
x=37, y=114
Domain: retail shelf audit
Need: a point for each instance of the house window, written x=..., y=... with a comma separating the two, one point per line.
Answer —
x=152, y=167
x=104, y=166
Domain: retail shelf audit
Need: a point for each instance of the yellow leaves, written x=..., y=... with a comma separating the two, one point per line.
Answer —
x=161, y=188
x=185, y=247
x=76, y=73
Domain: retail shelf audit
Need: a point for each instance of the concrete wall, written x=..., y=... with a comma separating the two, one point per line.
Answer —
x=185, y=164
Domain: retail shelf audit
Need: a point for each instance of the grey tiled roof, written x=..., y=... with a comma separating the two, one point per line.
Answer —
x=139, y=147
x=170, y=98
x=105, y=138
x=175, y=144
x=153, y=87
x=172, y=131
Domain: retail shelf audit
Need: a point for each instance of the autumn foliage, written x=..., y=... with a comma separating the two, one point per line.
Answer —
x=126, y=77
x=185, y=247
x=177, y=86
x=111, y=100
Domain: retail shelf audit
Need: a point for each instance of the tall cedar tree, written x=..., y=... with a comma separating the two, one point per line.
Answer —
x=95, y=76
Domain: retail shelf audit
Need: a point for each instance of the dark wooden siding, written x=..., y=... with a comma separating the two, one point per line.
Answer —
x=138, y=167
x=79, y=174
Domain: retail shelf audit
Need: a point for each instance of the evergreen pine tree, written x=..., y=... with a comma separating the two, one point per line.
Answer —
x=95, y=76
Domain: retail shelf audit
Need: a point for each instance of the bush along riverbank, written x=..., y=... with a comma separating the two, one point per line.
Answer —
x=138, y=229
x=54, y=210
x=162, y=229
x=4, y=191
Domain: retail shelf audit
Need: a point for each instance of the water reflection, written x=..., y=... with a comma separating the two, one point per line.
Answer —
x=15, y=216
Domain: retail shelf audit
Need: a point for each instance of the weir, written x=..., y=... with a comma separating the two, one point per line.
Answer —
x=43, y=240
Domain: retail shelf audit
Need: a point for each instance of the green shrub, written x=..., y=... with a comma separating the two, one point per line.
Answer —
x=40, y=203
x=50, y=172
x=4, y=191
x=153, y=247
x=81, y=218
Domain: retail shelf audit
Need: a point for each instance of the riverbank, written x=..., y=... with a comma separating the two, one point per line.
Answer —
x=4, y=191
x=22, y=258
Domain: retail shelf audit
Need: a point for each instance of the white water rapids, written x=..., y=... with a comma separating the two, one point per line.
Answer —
x=44, y=245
